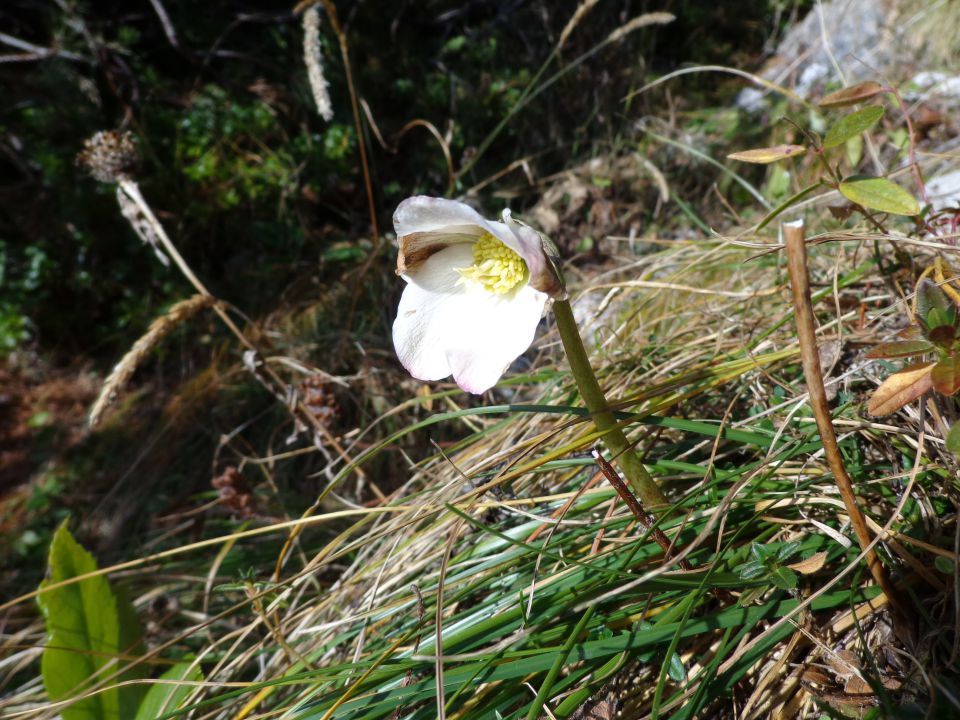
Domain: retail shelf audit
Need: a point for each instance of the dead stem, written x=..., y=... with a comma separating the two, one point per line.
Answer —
x=794, y=239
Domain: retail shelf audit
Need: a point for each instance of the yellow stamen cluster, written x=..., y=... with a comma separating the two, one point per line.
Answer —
x=496, y=267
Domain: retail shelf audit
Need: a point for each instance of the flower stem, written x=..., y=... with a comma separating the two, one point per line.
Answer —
x=636, y=474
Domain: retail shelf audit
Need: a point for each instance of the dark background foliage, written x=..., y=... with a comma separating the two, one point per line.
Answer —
x=267, y=203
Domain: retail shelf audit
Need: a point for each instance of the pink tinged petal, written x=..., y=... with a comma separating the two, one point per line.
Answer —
x=493, y=332
x=529, y=245
x=427, y=309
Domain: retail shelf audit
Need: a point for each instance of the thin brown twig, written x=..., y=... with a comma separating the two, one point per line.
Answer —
x=646, y=520
x=794, y=240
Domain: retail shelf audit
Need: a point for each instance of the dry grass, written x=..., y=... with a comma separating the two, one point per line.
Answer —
x=159, y=329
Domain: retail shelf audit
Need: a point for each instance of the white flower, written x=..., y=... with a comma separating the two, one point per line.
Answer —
x=475, y=291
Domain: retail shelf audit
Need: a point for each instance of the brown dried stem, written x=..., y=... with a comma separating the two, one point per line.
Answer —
x=793, y=233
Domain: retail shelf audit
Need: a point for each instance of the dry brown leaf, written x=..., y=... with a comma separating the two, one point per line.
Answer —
x=852, y=95
x=900, y=388
x=811, y=565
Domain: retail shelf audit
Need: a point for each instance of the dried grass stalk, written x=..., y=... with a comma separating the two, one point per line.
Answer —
x=159, y=329
x=654, y=18
x=313, y=58
x=578, y=15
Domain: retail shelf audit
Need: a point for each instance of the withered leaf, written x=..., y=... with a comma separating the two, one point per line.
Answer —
x=765, y=155
x=852, y=95
x=901, y=388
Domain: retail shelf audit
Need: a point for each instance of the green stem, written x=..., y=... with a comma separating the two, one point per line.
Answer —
x=636, y=474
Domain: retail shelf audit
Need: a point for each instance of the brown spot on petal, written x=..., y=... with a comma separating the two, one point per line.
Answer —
x=407, y=261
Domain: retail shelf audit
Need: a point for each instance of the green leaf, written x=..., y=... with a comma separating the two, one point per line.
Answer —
x=751, y=570
x=879, y=194
x=903, y=348
x=852, y=95
x=784, y=578
x=766, y=155
x=852, y=125
x=953, y=439
x=929, y=296
x=946, y=376
x=675, y=668
x=786, y=204
x=943, y=564
x=85, y=633
x=787, y=549
x=163, y=698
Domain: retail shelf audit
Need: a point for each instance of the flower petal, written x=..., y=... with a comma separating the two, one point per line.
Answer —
x=530, y=246
x=423, y=214
x=427, y=309
x=497, y=331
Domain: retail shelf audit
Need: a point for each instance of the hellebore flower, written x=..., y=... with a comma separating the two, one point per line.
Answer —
x=476, y=290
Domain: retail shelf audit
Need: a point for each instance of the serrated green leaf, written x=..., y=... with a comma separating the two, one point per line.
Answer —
x=852, y=125
x=852, y=95
x=879, y=194
x=946, y=376
x=163, y=697
x=84, y=635
x=784, y=578
x=903, y=348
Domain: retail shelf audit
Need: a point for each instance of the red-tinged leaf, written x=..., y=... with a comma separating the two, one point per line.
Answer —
x=767, y=155
x=911, y=332
x=942, y=334
x=900, y=349
x=946, y=376
x=901, y=388
x=852, y=95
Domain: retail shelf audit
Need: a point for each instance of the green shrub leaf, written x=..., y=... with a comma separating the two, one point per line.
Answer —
x=930, y=297
x=165, y=697
x=852, y=125
x=86, y=631
x=879, y=194
x=953, y=439
x=784, y=578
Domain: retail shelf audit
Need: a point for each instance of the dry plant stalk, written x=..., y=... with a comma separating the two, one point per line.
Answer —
x=578, y=15
x=313, y=58
x=158, y=330
x=795, y=242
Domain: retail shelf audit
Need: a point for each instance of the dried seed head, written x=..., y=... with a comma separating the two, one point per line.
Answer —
x=109, y=156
